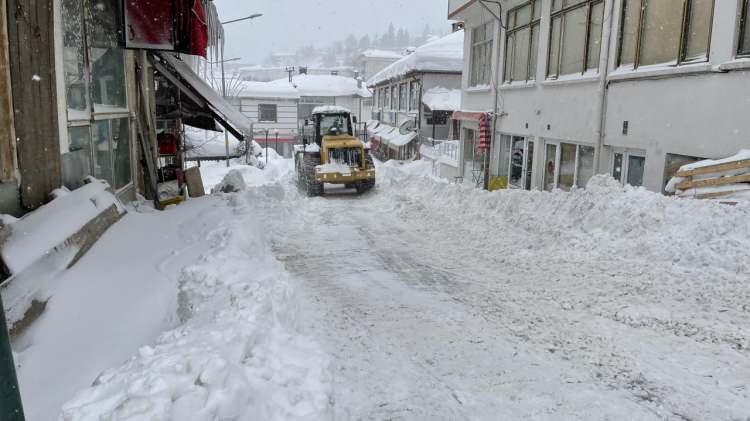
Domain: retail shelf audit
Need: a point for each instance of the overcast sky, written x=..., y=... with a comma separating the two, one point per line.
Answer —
x=288, y=24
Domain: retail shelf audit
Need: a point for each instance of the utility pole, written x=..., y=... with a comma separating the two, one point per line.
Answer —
x=11, y=408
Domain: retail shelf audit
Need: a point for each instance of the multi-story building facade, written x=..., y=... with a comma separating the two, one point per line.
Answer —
x=627, y=87
x=398, y=96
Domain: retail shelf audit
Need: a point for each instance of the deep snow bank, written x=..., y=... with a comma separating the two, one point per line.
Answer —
x=605, y=217
x=236, y=356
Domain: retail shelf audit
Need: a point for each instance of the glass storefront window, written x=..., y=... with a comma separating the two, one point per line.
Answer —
x=518, y=150
x=529, y=165
x=567, y=166
x=636, y=170
x=585, y=165
x=76, y=164
x=107, y=58
x=674, y=163
x=121, y=153
x=102, y=151
x=550, y=167
x=74, y=63
x=617, y=167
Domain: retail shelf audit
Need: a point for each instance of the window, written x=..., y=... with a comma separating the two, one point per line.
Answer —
x=394, y=98
x=481, y=55
x=522, y=42
x=94, y=75
x=414, y=96
x=387, y=102
x=268, y=113
x=665, y=31
x=568, y=165
x=744, y=44
x=436, y=118
x=516, y=162
x=402, y=93
x=576, y=37
x=628, y=168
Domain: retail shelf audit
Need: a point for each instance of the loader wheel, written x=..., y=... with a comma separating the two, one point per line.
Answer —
x=312, y=187
x=365, y=186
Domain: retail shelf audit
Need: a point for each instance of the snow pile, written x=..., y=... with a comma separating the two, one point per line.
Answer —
x=334, y=168
x=248, y=89
x=442, y=99
x=36, y=234
x=382, y=54
x=235, y=357
x=718, y=185
x=214, y=172
x=606, y=217
x=233, y=182
x=443, y=55
x=330, y=109
x=325, y=86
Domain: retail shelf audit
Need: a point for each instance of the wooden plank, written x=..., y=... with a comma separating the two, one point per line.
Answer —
x=714, y=182
x=716, y=195
x=7, y=132
x=194, y=182
x=737, y=165
x=32, y=58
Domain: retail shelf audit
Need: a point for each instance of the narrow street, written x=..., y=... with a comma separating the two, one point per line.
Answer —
x=434, y=311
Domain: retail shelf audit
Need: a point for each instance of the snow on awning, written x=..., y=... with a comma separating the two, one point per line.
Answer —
x=442, y=99
x=468, y=115
x=195, y=88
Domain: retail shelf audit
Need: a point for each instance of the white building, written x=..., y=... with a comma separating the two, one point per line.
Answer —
x=606, y=86
x=317, y=90
x=274, y=109
x=399, y=90
x=370, y=62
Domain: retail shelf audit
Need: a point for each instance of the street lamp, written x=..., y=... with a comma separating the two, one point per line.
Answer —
x=223, y=76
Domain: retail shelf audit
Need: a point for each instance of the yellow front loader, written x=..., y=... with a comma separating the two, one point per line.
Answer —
x=331, y=154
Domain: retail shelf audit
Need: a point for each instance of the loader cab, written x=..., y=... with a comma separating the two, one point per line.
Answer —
x=330, y=121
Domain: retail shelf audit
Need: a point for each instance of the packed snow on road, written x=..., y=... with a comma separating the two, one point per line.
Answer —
x=421, y=300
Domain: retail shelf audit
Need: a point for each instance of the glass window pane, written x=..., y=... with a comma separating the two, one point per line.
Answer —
x=662, y=24
x=121, y=149
x=629, y=31
x=529, y=164
x=74, y=63
x=554, y=48
x=595, y=37
x=567, y=166
x=76, y=164
x=537, y=9
x=556, y=5
x=468, y=156
x=636, y=167
x=699, y=27
x=107, y=58
x=102, y=152
x=534, y=51
x=617, y=167
x=550, y=167
x=523, y=15
x=509, y=58
x=504, y=159
x=745, y=41
x=518, y=146
x=585, y=165
x=521, y=54
x=574, y=38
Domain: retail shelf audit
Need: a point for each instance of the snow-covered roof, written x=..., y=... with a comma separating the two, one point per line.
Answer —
x=381, y=54
x=444, y=55
x=266, y=90
x=325, y=86
x=442, y=99
x=330, y=109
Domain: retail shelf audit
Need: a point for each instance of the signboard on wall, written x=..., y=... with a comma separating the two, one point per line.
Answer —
x=149, y=24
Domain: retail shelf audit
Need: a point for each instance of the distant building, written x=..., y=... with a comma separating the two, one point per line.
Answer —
x=402, y=117
x=370, y=62
x=274, y=109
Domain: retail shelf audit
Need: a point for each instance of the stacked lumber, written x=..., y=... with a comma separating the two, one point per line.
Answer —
x=714, y=179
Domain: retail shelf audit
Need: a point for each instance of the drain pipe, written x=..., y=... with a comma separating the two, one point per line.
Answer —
x=495, y=86
x=603, y=90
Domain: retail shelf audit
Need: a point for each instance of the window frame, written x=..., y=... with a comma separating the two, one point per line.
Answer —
x=576, y=162
x=534, y=23
x=476, y=46
x=625, y=170
x=744, y=26
x=261, y=118
x=561, y=15
x=681, y=58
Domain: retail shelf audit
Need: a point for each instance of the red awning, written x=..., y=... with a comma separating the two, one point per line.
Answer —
x=467, y=115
